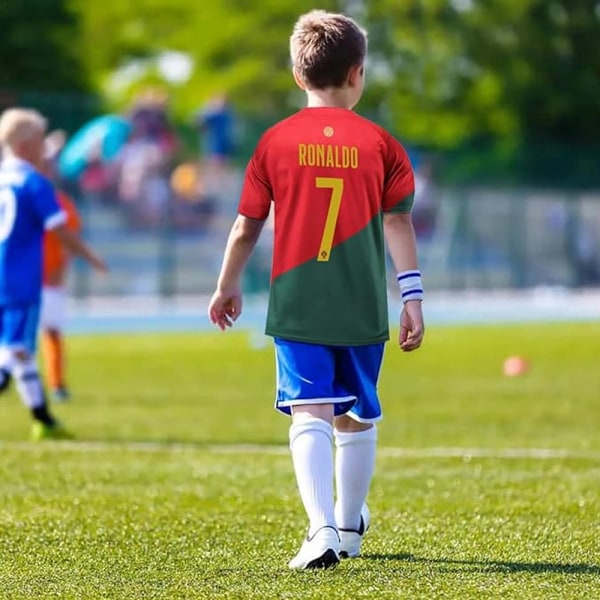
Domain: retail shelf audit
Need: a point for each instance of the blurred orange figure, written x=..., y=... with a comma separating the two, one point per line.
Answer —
x=54, y=300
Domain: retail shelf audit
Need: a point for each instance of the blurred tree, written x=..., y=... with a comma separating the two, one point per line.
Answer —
x=544, y=54
x=426, y=85
x=40, y=46
x=236, y=46
x=461, y=70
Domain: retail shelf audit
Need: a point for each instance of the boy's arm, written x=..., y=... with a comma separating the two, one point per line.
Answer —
x=401, y=243
x=226, y=303
x=77, y=246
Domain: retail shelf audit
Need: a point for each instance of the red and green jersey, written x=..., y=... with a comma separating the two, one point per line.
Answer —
x=330, y=175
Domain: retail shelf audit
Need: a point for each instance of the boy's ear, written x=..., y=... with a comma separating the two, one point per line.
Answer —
x=298, y=79
x=354, y=74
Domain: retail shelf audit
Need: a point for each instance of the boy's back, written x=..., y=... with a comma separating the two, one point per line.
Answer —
x=27, y=207
x=330, y=174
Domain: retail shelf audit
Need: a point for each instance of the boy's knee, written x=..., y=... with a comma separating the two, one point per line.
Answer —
x=348, y=425
x=313, y=411
x=21, y=356
x=311, y=426
x=23, y=365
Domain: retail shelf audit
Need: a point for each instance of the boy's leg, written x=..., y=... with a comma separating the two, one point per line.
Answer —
x=29, y=387
x=305, y=374
x=52, y=321
x=356, y=443
x=5, y=366
x=19, y=331
x=311, y=445
x=354, y=467
x=54, y=360
x=5, y=379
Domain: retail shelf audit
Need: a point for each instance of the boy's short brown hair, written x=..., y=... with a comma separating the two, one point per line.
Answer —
x=20, y=124
x=324, y=46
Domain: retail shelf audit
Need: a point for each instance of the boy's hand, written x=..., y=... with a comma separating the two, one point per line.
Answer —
x=225, y=307
x=411, y=326
x=98, y=264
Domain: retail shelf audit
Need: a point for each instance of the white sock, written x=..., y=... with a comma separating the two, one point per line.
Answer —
x=29, y=386
x=311, y=444
x=354, y=467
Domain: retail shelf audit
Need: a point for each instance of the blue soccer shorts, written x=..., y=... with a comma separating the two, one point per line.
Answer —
x=19, y=327
x=345, y=376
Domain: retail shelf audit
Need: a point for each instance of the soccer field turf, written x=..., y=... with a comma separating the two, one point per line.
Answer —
x=180, y=485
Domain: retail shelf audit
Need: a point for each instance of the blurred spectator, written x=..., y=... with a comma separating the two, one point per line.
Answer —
x=216, y=122
x=142, y=175
x=425, y=205
x=145, y=161
x=149, y=118
x=142, y=184
x=583, y=251
x=96, y=181
x=193, y=207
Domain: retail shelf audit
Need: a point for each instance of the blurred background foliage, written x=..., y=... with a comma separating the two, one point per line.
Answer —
x=499, y=90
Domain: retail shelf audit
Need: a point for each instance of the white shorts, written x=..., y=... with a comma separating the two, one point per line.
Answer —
x=54, y=308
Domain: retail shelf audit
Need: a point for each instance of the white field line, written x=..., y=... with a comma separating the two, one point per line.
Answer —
x=383, y=451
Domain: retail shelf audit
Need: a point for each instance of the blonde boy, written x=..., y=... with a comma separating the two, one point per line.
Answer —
x=339, y=185
x=28, y=208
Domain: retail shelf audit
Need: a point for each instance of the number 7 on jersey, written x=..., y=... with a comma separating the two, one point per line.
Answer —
x=336, y=185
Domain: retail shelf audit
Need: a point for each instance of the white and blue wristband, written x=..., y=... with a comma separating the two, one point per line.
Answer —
x=411, y=285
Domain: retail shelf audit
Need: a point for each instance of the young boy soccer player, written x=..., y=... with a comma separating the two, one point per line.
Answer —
x=339, y=184
x=28, y=208
x=53, y=312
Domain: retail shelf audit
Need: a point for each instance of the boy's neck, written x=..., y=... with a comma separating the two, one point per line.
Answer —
x=329, y=98
x=8, y=154
x=16, y=155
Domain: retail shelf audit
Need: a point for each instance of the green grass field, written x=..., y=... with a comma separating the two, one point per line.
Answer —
x=180, y=485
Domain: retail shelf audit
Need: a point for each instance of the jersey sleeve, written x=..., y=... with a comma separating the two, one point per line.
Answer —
x=257, y=193
x=45, y=203
x=70, y=209
x=73, y=219
x=399, y=184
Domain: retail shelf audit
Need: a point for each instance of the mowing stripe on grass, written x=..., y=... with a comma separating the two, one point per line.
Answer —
x=385, y=451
